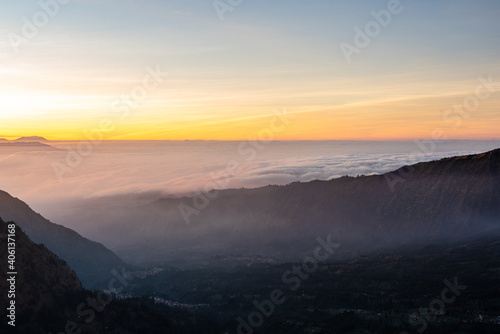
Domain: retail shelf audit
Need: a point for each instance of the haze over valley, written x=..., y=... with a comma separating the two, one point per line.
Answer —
x=250, y=167
x=114, y=194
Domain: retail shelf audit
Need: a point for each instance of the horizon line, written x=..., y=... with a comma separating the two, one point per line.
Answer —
x=14, y=138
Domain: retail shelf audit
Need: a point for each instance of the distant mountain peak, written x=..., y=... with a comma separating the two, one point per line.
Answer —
x=31, y=139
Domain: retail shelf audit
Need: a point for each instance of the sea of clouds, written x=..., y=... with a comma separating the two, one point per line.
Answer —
x=132, y=173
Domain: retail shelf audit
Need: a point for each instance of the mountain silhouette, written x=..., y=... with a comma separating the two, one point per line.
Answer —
x=448, y=199
x=31, y=139
x=43, y=281
x=49, y=298
x=91, y=261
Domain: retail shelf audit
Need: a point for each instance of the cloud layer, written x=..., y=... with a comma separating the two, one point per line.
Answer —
x=144, y=171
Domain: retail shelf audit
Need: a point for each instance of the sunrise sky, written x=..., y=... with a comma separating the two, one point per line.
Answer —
x=228, y=77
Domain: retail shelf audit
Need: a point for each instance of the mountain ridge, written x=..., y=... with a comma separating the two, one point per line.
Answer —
x=49, y=298
x=26, y=139
x=54, y=278
x=90, y=260
x=443, y=199
x=31, y=139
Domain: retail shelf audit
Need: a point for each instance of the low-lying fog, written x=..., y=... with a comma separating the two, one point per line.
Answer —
x=59, y=183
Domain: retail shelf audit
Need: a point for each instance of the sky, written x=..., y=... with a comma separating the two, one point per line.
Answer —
x=192, y=69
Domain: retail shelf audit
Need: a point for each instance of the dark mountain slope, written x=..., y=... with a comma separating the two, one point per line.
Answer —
x=49, y=294
x=31, y=139
x=43, y=281
x=91, y=261
x=446, y=199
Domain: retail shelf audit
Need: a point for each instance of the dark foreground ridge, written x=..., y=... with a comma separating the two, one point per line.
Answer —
x=91, y=261
x=49, y=298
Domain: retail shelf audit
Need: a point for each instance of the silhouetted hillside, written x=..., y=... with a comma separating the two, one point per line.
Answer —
x=91, y=261
x=43, y=281
x=49, y=298
x=446, y=199
x=31, y=139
